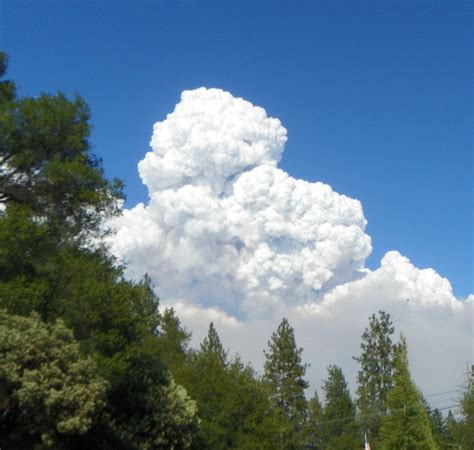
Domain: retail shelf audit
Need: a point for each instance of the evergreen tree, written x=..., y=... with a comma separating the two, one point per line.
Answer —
x=173, y=344
x=375, y=374
x=466, y=428
x=250, y=422
x=284, y=372
x=338, y=416
x=211, y=349
x=232, y=404
x=442, y=427
x=452, y=432
x=315, y=410
x=438, y=425
x=407, y=426
x=207, y=384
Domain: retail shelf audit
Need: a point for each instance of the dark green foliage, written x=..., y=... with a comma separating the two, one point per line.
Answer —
x=407, y=425
x=113, y=319
x=453, y=432
x=438, y=425
x=466, y=426
x=209, y=387
x=211, y=352
x=375, y=374
x=54, y=202
x=173, y=344
x=107, y=312
x=45, y=165
x=232, y=404
x=25, y=247
x=284, y=373
x=337, y=423
x=442, y=427
x=7, y=87
x=248, y=420
x=314, y=428
x=145, y=407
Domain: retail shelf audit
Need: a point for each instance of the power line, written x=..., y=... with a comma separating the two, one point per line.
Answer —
x=446, y=400
x=442, y=393
x=380, y=414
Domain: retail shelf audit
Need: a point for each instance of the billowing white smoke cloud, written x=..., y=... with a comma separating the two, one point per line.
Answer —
x=224, y=225
x=229, y=237
x=210, y=138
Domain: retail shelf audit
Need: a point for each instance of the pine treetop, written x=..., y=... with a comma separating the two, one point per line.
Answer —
x=375, y=373
x=407, y=425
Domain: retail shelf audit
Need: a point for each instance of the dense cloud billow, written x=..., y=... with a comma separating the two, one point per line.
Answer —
x=228, y=236
x=224, y=225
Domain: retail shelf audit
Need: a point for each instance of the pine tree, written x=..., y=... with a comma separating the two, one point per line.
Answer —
x=453, y=427
x=466, y=428
x=285, y=373
x=207, y=384
x=211, y=348
x=249, y=419
x=375, y=374
x=407, y=426
x=338, y=416
x=442, y=427
x=173, y=342
x=315, y=410
x=233, y=404
x=438, y=425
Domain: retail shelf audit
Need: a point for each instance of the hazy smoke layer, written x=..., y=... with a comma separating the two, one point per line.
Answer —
x=225, y=226
x=228, y=237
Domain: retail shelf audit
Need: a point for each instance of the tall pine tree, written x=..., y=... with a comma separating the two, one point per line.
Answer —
x=208, y=385
x=438, y=426
x=338, y=417
x=453, y=427
x=284, y=372
x=315, y=410
x=407, y=425
x=173, y=342
x=375, y=374
x=232, y=403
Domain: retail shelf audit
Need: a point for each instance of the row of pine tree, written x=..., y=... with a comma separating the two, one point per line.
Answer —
x=87, y=360
x=389, y=409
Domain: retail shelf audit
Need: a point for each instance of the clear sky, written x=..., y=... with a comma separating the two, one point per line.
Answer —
x=376, y=96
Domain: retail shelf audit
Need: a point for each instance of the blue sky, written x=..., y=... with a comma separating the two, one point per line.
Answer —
x=376, y=96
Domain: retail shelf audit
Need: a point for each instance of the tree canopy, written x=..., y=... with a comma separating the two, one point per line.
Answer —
x=466, y=427
x=407, y=424
x=284, y=372
x=338, y=415
x=55, y=199
x=375, y=374
x=49, y=391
